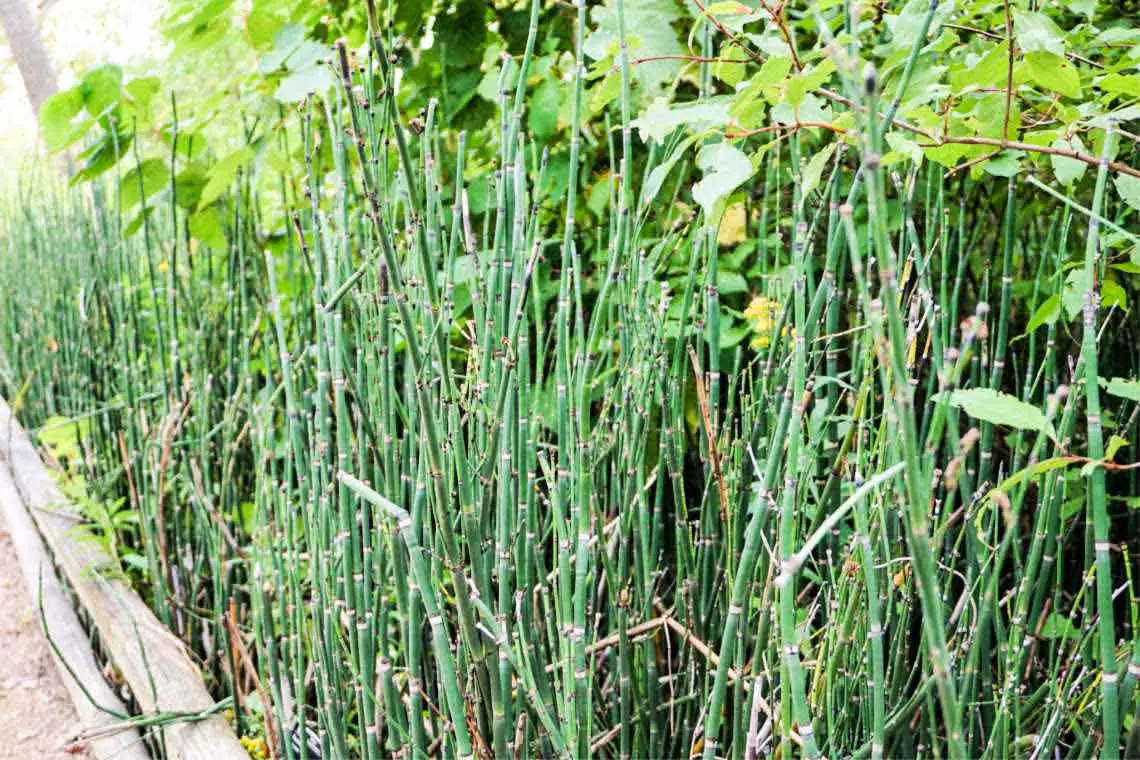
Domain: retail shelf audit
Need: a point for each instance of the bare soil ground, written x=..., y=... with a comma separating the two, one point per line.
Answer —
x=37, y=719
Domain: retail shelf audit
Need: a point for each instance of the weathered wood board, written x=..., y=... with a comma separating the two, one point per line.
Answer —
x=153, y=661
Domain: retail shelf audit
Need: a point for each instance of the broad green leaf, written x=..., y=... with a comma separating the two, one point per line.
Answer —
x=651, y=22
x=1068, y=170
x=657, y=177
x=1086, y=8
x=1057, y=626
x=811, y=108
x=299, y=85
x=1128, y=388
x=1029, y=474
x=604, y=92
x=1036, y=33
x=660, y=118
x=136, y=224
x=1077, y=285
x=102, y=156
x=813, y=78
x=725, y=167
x=989, y=71
x=1046, y=314
x=1006, y=164
x=188, y=186
x=906, y=26
x=153, y=176
x=261, y=24
x=543, y=108
x=1111, y=294
x=140, y=92
x=56, y=115
x=285, y=42
x=732, y=337
x=773, y=71
x=206, y=226
x=1114, y=445
x=222, y=174
x=904, y=146
x=1129, y=189
x=101, y=88
x=1053, y=72
x=814, y=170
x=1121, y=84
x=926, y=84
x=732, y=68
x=488, y=88
x=62, y=436
x=999, y=408
x=728, y=283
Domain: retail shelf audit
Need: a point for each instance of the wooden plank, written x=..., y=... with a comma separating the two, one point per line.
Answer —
x=153, y=661
x=78, y=671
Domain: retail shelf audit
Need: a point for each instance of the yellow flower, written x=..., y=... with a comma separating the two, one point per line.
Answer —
x=761, y=312
x=257, y=748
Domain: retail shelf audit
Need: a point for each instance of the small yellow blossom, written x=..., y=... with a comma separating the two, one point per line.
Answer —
x=761, y=312
x=257, y=748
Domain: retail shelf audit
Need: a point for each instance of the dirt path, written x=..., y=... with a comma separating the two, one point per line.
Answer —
x=37, y=719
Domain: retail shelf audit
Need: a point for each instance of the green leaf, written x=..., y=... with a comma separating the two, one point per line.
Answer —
x=1031, y=473
x=904, y=147
x=1086, y=8
x=140, y=92
x=136, y=224
x=1111, y=294
x=1057, y=626
x=811, y=108
x=1124, y=388
x=989, y=71
x=1046, y=314
x=813, y=172
x=153, y=175
x=906, y=26
x=999, y=408
x=102, y=156
x=725, y=167
x=1129, y=189
x=1036, y=33
x=222, y=174
x=261, y=24
x=1115, y=444
x=543, y=108
x=1053, y=72
x=732, y=337
x=773, y=71
x=101, y=88
x=728, y=283
x=657, y=177
x=206, y=225
x=1077, y=285
x=649, y=34
x=604, y=92
x=660, y=119
x=285, y=42
x=731, y=69
x=62, y=436
x=56, y=116
x=1068, y=170
x=188, y=186
x=299, y=85
x=1005, y=164
x=1121, y=84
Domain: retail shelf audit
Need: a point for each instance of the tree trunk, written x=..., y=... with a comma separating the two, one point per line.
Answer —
x=28, y=49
